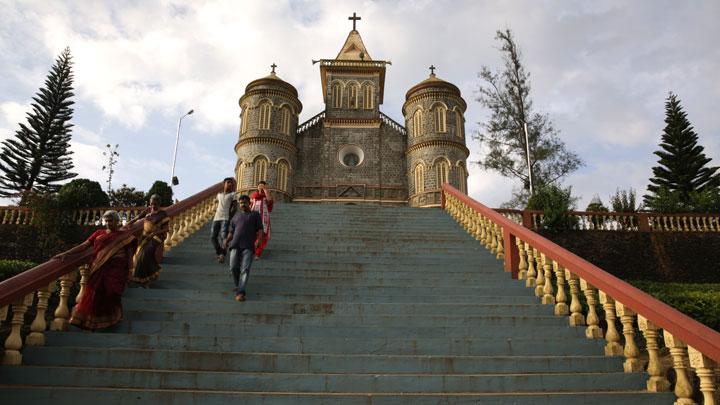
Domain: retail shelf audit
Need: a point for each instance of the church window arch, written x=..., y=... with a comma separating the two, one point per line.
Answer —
x=265, y=113
x=368, y=96
x=440, y=119
x=419, y=178
x=417, y=123
x=462, y=177
x=441, y=171
x=259, y=169
x=244, y=119
x=283, y=170
x=337, y=95
x=239, y=175
x=353, y=96
x=286, y=116
x=459, y=125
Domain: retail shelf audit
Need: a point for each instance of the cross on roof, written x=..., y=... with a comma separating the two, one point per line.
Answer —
x=354, y=19
x=432, y=69
x=273, y=66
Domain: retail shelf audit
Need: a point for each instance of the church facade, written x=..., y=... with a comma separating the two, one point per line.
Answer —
x=351, y=152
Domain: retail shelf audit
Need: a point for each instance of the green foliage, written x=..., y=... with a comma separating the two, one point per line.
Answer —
x=682, y=168
x=667, y=201
x=163, y=190
x=507, y=95
x=699, y=301
x=10, y=268
x=624, y=201
x=38, y=156
x=556, y=204
x=596, y=205
x=82, y=193
x=127, y=197
x=56, y=230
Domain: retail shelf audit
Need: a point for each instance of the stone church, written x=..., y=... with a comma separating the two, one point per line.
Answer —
x=351, y=152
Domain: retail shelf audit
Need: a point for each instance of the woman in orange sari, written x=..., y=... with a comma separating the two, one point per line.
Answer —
x=149, y=253
x=100, y=304
x=262, y=203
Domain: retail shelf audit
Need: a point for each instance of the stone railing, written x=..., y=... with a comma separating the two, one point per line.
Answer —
x=311, y=122
x=16, y=215
x=624, y=221
x=392, y=123
x=18, y=293
x=10, y=215
x=558, y=277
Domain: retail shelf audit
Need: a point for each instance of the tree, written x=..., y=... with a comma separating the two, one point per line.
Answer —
x=127, y=197
x=624, y=201
x=556, y=204
x=682, y=168
x=38, y=157
x=507, y=96
x=163, y=190
x=82, y=193
x=112, y=155
x=596, y=205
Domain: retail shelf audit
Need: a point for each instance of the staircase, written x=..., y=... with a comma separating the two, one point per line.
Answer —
x=352, y=304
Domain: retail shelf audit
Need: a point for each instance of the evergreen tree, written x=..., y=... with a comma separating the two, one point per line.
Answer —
x=507, y=96
x=682, y=169
x=38, y=157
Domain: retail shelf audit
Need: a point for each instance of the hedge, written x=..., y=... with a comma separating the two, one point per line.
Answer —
x=699, y=301
x=10, y=268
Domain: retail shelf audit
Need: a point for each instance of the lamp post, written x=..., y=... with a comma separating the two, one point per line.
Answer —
x=527, y=154
x=173, y=179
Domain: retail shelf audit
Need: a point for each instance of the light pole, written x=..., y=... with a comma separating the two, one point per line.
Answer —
x=174, y=180
x=527, y=153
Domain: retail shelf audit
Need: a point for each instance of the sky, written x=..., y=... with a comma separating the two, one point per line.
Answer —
x=601, y=70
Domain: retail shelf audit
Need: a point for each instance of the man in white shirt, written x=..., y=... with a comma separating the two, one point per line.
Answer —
x=222, y=217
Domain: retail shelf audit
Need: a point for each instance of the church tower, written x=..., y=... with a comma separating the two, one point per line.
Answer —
x=266, y=148
x=436, y=151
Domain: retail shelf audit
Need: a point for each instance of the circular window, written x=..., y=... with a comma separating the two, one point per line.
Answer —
x=351, y=155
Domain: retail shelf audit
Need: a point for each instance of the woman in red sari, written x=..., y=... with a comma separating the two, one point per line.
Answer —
x=262, y=203
x=100, y=305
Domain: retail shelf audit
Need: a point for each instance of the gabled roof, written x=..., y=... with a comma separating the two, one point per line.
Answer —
x=354, y=48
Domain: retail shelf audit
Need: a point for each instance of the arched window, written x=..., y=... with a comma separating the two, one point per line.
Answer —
x=337, y=95
x=441, y=172
x=244, y=120
x=368, y=97
x=265, y=109
x=282, y=175
x=240, y=175
x=462, y=174
x=286, y=114
x=440, y=119
x=459, y=127
x=417, y=123
x=353, y=96
x=419, y=178
x=260, y=170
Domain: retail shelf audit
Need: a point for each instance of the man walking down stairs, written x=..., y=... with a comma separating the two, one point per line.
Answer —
x=352, y=305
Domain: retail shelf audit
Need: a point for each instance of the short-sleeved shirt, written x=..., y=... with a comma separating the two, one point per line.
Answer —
x=222, y=213
x=244, y=227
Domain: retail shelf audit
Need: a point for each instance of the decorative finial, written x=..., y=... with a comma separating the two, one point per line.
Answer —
x=273, y=66
x=432, y=70
x=354, y=19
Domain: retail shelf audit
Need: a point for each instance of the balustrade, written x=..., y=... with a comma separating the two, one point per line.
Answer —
x=691, y=346
x=17, y=294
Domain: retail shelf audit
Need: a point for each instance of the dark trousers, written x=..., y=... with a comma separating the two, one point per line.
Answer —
x=219, y=228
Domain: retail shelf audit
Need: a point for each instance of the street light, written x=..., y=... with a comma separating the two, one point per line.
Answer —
x=173, y=179
x=527, y=151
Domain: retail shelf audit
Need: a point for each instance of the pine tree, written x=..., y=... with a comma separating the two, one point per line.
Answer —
x=37, y=158
x=682, y=170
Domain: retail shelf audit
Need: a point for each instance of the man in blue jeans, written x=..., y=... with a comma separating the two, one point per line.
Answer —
x=244, y=233
x=222, y=217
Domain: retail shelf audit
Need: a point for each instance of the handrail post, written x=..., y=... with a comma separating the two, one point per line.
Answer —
x=643, y=223
x=512, y=255
x=527, y=219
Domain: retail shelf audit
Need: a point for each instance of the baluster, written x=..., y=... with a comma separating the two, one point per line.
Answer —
x=13, y=343
x=531, y=272
x=84, y=273
x=612, y=337
x=168, y=239
x=685, y=226
x=62, y=312
x=38, y=326
x=704, y=368
x=500, y=249
x=705, y=224
x=631, y=351
x=593, y=330
x=561, y=307
x=576, y=316
x=678, y=352
x=477, y=226
x=492, y=238
x=548, y=298
x=657, y=381
x=540, y=280
x=522, y=265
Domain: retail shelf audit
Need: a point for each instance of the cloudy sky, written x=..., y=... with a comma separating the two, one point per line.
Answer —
x=601, y=69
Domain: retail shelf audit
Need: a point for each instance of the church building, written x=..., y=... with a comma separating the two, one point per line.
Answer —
x=351, y=152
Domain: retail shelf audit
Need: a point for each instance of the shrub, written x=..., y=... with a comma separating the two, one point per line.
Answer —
x=56, y=230
x=10, y=268
x=699, y=301
x=556, y=204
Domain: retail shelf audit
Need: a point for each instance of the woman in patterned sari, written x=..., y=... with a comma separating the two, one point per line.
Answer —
x=262, y=202
x=100, y=305
x=147, y=258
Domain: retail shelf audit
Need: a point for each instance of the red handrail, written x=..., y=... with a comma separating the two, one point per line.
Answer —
x=688, y=330
x=39, y=276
